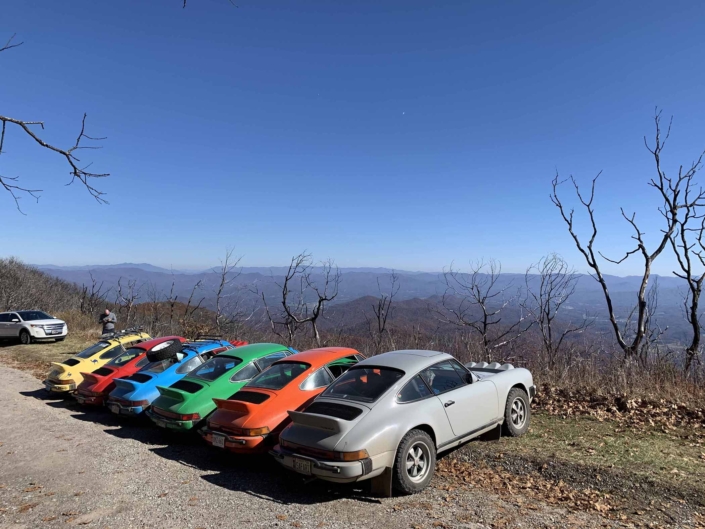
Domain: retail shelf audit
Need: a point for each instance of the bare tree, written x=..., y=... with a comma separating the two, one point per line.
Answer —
x=688, y=245
x=226, y=304
x=91, y=300
x=676, y=194
x=546, y=300
x=78, y=170
x=126, y=297
x=296, y=310
x=477, y=301
x=383, y=310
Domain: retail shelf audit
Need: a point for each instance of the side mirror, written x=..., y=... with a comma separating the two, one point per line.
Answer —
x=15, y=320
x=468, y=378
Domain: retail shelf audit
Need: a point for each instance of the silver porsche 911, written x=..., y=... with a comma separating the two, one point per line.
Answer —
x=389, y=415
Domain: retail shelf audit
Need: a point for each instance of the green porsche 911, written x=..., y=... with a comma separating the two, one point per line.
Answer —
x=187, y=403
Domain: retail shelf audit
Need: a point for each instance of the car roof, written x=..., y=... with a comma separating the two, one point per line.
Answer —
x=250, y=352
x=321, y=356
x=409, y=360
x=156, y=341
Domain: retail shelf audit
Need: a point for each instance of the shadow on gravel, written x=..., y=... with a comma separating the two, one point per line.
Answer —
x=257, y=475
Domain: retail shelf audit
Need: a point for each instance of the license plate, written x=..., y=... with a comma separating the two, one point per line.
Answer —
x=302, y=466
x=115, y=408
x=159, y=423
x=53, y=332
x=218, y=440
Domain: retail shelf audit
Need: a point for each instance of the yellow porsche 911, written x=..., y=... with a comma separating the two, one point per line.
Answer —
x=65, y=376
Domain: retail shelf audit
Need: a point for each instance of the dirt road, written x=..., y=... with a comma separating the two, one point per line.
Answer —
x=62, y=466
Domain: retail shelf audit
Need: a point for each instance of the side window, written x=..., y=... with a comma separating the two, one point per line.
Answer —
x=460, y=369
x=246, y=373
x=415, y=389
x=442, y=378
x=141, y=363
x=192, y=364
x=4, y=318
x=338, y=369
x=111, y=353
x=319, y=379
x=268, y=360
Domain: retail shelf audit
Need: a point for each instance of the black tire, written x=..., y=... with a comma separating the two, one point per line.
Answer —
x=517, y=413
x=164, y=350
x=416, y=448
x=25, y=337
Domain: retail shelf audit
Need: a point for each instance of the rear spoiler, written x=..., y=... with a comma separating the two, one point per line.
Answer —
x=313, y=420
x=91, y=378
x=59, y=365
x=172, y=393
x=235, y=405
x=128, y=385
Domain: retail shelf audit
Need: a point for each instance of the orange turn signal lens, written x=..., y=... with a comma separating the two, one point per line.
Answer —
x=254, y=432
x=352, y=456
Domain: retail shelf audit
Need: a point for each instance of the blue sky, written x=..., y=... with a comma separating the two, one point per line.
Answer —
x=403, y=134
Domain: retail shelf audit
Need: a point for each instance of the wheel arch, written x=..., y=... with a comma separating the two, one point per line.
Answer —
x=519, y=385
x=426, y=428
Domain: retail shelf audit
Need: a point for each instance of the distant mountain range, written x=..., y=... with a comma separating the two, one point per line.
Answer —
x=417, y=290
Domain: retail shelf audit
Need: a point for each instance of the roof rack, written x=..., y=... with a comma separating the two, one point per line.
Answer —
x=124, y=332
x=200, y=336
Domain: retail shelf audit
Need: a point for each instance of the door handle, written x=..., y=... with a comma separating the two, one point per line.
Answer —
x=449, y=403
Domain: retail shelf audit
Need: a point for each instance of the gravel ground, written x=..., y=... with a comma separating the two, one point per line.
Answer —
x=61, y=465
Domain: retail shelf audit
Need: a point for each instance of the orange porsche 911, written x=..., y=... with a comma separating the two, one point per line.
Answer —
x=252, y=418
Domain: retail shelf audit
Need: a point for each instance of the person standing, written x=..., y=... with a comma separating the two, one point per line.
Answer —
x=108, y=319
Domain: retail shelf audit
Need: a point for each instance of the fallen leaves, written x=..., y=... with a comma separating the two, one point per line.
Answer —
x=630, y=412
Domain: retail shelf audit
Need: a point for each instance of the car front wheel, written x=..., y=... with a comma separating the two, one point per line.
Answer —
x=415, y=462
x=25, y=337
x=517, y=413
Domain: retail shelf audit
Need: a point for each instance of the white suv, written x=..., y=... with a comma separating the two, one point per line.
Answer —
x=31, y=325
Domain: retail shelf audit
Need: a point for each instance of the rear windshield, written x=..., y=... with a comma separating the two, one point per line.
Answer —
x=215, y=367
x=125, y=357
x=364, y=384
x=278, y=376
x=93, y=349
x=31, y=315
x=161, y=365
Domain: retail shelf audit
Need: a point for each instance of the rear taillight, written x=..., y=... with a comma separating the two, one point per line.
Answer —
x=87, y=393
x=245, y=432
x=326, y=454
x=66, y=382
x=189, y=417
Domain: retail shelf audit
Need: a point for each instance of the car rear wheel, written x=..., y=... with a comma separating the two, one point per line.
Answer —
x=415, y=462
x=25, y=337
x=164, y=350
x=517, y=413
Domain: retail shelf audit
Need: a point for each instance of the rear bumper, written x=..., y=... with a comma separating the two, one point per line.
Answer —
x=57, y=387
x=337, y=471
x=166, y=422
x=120, y=409
x=235, y=443
x=90, y=400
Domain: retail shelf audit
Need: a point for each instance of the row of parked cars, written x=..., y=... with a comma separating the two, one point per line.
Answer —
x=328, y=413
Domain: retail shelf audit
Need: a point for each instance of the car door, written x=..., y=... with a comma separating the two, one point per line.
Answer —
x=4, y=324
x=469, y=405
x=13, y=328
